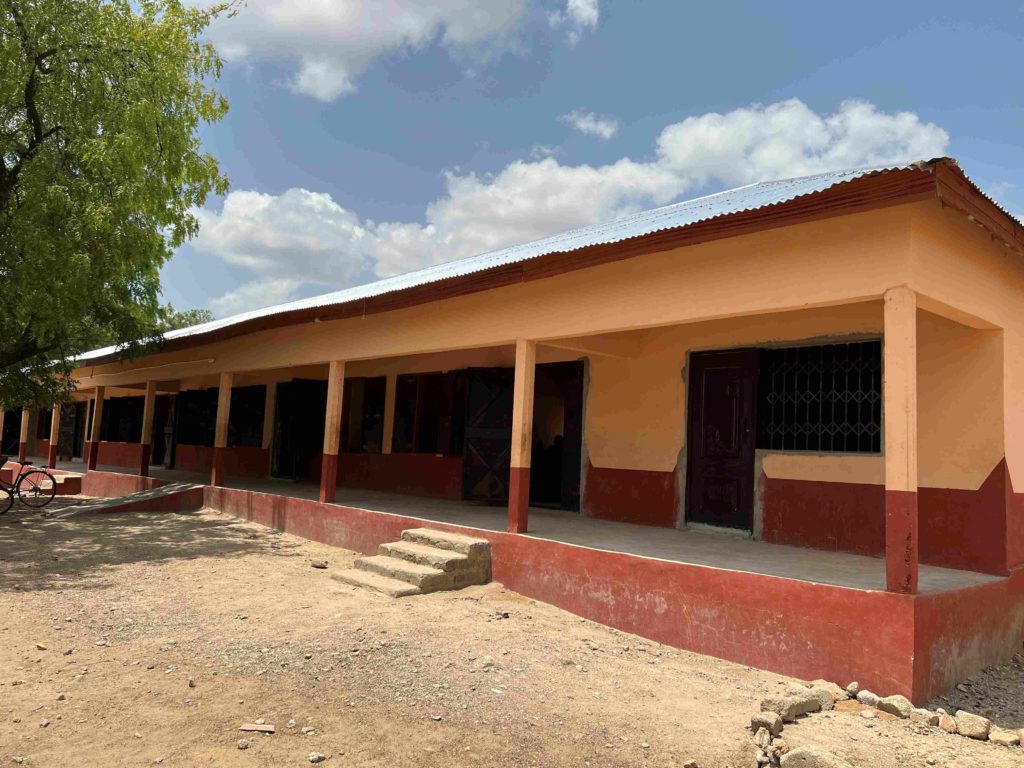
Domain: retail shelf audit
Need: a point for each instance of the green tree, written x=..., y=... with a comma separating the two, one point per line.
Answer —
x=101, y=102
x=174, y=319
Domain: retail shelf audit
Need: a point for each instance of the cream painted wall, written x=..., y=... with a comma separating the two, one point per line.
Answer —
x=955, y=262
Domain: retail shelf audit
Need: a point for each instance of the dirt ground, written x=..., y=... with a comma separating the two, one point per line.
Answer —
x=142, y=639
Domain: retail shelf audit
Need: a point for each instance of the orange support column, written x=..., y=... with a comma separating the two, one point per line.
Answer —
x=51, y=456
x=146, y=440
x=93, y=448
x=522, y=436
x=899, y=391
x=332, y=430
x=23, y=439
x=220, y=434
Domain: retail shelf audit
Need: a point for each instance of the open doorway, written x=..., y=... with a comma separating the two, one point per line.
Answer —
x=557, y=436
x=11, y=433
x=299, y=428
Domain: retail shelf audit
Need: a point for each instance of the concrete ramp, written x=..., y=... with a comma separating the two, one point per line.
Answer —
x=173, y=497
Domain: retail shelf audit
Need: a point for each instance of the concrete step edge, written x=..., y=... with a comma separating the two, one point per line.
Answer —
x=455, y=542
x=423, y=554
x=383, y=584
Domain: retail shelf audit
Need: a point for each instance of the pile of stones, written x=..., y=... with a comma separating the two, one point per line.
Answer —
x=799, y=700
x=964, y=723
x=821, y=695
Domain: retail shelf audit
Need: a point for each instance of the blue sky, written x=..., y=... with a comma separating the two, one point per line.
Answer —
x=370, y=138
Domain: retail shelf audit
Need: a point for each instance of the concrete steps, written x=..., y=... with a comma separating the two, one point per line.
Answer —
x=423, y=561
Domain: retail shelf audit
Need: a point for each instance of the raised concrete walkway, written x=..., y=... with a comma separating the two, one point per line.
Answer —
x=715, y=550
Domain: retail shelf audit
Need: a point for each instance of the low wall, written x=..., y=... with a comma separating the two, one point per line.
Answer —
x=793, y=627
x=115, y=454
x=110, y=484
x=416, y=474
x=239, y=460
x=964, y=529
x=630, y=496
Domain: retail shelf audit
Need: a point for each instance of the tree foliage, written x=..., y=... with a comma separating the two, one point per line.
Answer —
x=101, y=102
x=174, y=319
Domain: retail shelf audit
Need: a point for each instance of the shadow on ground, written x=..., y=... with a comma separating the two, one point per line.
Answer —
x=37, y=553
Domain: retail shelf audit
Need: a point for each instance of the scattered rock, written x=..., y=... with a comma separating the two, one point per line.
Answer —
x=853, y=689
x=896, y=705
x=316, y=757
x=40, y=647
x=243, y=744
x=191, y=683
x=1003, y=737
x=868, y=714
x=826, y=698
x=789, y=708
x=321, y=564
x=257, y=727
x=867, y=698
x=61, y=697
x=763, y=738
x=971, y=725
x=487, y=663
x=308, y=730
x=925, y=716
x=690, y=764
x=769, y=720
x=43, y=723
x=947, y=723
x=812, y=757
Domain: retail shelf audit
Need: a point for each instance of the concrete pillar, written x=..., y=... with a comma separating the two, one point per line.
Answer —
x=522, y=435
x=332, y=430
x=220, y=433
x=390, y=388
x=146, y=440
x=26, y=416
x=899, y=392
x=94, y=432
x=51, y=456
x=269, y=406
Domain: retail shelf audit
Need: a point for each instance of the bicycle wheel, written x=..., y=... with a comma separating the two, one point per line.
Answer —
x=6, y=499
x=36, y=488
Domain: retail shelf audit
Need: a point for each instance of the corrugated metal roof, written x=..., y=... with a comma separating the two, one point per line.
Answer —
x=674, y=216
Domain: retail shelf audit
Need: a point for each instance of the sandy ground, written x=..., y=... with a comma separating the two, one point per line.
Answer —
x=105, y=620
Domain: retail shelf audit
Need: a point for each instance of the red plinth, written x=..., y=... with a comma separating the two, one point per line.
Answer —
x=328, y=477
x=518, y=499
x=144, y=455
x=217, y=475
x=901, y=547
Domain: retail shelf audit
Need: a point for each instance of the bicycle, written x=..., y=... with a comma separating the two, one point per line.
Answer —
x=34, y=486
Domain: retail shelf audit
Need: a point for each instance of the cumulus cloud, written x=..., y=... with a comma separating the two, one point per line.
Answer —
x=578, y=16
x=308, y=239
x=328, y=44
x=262, y=292
x=590, y=124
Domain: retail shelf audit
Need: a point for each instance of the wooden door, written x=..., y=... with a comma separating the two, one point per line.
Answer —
x=721, y=438
x=488, y=434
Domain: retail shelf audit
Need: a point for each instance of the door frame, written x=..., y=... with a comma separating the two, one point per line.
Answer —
x=687, y=490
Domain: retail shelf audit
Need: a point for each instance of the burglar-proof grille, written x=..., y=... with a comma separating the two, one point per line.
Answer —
x=824, y=398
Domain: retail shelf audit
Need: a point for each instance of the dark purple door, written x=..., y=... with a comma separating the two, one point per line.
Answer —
x=720, y=438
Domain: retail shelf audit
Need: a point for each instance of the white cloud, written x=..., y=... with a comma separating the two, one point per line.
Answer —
x=262, y=292
x=590, y=124
x=328, y=44
x=578, y=16
x=308, y=239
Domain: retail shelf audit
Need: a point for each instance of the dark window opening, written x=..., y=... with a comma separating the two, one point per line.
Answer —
x=362, y=428
x=43, y=424
x=196, y=416
x=121, y=420
x=430, y=413
x=245, y=419
x=825, y=399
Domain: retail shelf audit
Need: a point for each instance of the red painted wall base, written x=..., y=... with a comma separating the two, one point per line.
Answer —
x=518, y=499
x=328, y=477
x=630, y=496
x=915, y=645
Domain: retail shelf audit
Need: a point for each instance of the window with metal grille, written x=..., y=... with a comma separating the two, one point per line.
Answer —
x=825, y=398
